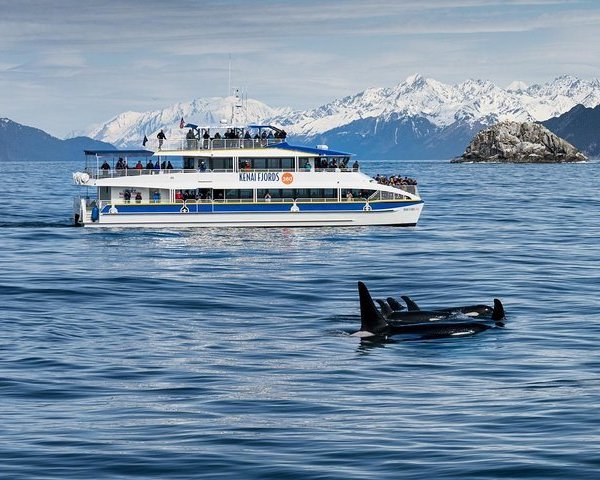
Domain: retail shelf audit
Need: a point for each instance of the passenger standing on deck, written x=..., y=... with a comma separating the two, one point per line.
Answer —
x=355, y=166
x=191, y=140
x=161, y=138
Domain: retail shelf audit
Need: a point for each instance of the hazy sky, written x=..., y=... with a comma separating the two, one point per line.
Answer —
x=65, y=64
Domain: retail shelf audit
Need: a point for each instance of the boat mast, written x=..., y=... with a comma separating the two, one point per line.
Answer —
x=229, y=77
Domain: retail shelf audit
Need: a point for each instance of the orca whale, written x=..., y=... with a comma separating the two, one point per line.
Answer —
x=413, y=316
x=468, y=310
x=410, y=305
x=373, y=323
x=394, y=304
x=386, y=310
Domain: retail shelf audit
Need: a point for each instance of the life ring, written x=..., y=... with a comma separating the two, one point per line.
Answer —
x=80, y=178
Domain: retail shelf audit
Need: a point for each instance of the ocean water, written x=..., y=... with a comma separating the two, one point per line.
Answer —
x=226, y=353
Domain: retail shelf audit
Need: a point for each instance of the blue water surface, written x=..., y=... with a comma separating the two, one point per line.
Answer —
x=225, y=353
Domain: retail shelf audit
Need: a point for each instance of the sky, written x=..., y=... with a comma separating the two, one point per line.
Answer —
x=68, y=64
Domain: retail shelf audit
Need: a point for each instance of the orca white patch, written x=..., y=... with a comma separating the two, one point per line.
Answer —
x=362, y=334
x=460, y=334
x=472, y=314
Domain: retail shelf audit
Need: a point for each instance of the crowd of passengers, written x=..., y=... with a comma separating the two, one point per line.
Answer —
x=395, y=180
x=181, y=195
x=332, y=163
x=123, y=165
x=234, y=133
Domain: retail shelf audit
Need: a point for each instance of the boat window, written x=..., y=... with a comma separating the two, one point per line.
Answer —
x=237, y=194
x=104, y=193
x=266, y=163
x=299, y=193
x=274, y=192
x=258, y=163
x=204, y=193
x=217, y=194
x=221, y=163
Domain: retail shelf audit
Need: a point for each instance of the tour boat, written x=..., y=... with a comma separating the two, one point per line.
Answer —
x=231, y=176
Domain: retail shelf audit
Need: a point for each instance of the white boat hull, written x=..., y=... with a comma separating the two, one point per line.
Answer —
x=405, y=216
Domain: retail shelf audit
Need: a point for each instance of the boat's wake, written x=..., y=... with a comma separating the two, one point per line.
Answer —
x=34, y=224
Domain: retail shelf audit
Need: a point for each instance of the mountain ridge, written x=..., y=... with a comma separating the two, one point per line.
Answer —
x=457, y=108
x=20, y=142
x=579, y=126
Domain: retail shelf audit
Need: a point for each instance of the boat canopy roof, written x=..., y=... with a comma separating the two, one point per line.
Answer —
x=317, y=151
x=260, y=127
x=119, y=153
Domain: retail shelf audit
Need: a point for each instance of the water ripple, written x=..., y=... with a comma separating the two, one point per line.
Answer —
x=226, y=352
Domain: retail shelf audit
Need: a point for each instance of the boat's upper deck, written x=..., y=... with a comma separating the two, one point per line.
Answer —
x=177, y=146
x=240, y=160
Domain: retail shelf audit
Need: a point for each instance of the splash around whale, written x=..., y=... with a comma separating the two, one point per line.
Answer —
x=428, y=325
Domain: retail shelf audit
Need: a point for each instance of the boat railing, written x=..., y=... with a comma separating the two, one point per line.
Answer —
x=410, y=189
x=193, y=201
x=382, y=195
x=338, y=169
x=136, y=172
x=407, y=188
x=186, y=144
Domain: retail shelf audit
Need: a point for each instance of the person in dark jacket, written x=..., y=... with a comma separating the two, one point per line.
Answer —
x=161, y=138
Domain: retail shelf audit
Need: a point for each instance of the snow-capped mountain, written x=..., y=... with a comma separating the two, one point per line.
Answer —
x=442, y=104
x=127, y=129
x=411, y=118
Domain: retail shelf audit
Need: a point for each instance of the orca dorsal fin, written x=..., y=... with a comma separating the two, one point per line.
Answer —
x=370, y=318
x=498, y=313
x=392, y=302
x=412, y=306
x=386, y=310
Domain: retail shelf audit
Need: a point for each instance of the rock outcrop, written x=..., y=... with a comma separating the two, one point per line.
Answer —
x=519, y=142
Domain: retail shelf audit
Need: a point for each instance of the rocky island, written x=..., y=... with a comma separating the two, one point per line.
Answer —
x=519, y=142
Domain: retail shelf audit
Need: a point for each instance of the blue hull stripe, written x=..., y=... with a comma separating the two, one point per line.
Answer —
x=256, y=207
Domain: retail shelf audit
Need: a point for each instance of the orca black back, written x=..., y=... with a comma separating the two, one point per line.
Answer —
x=410, y=305
x=394, y=304
x=370, y=318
